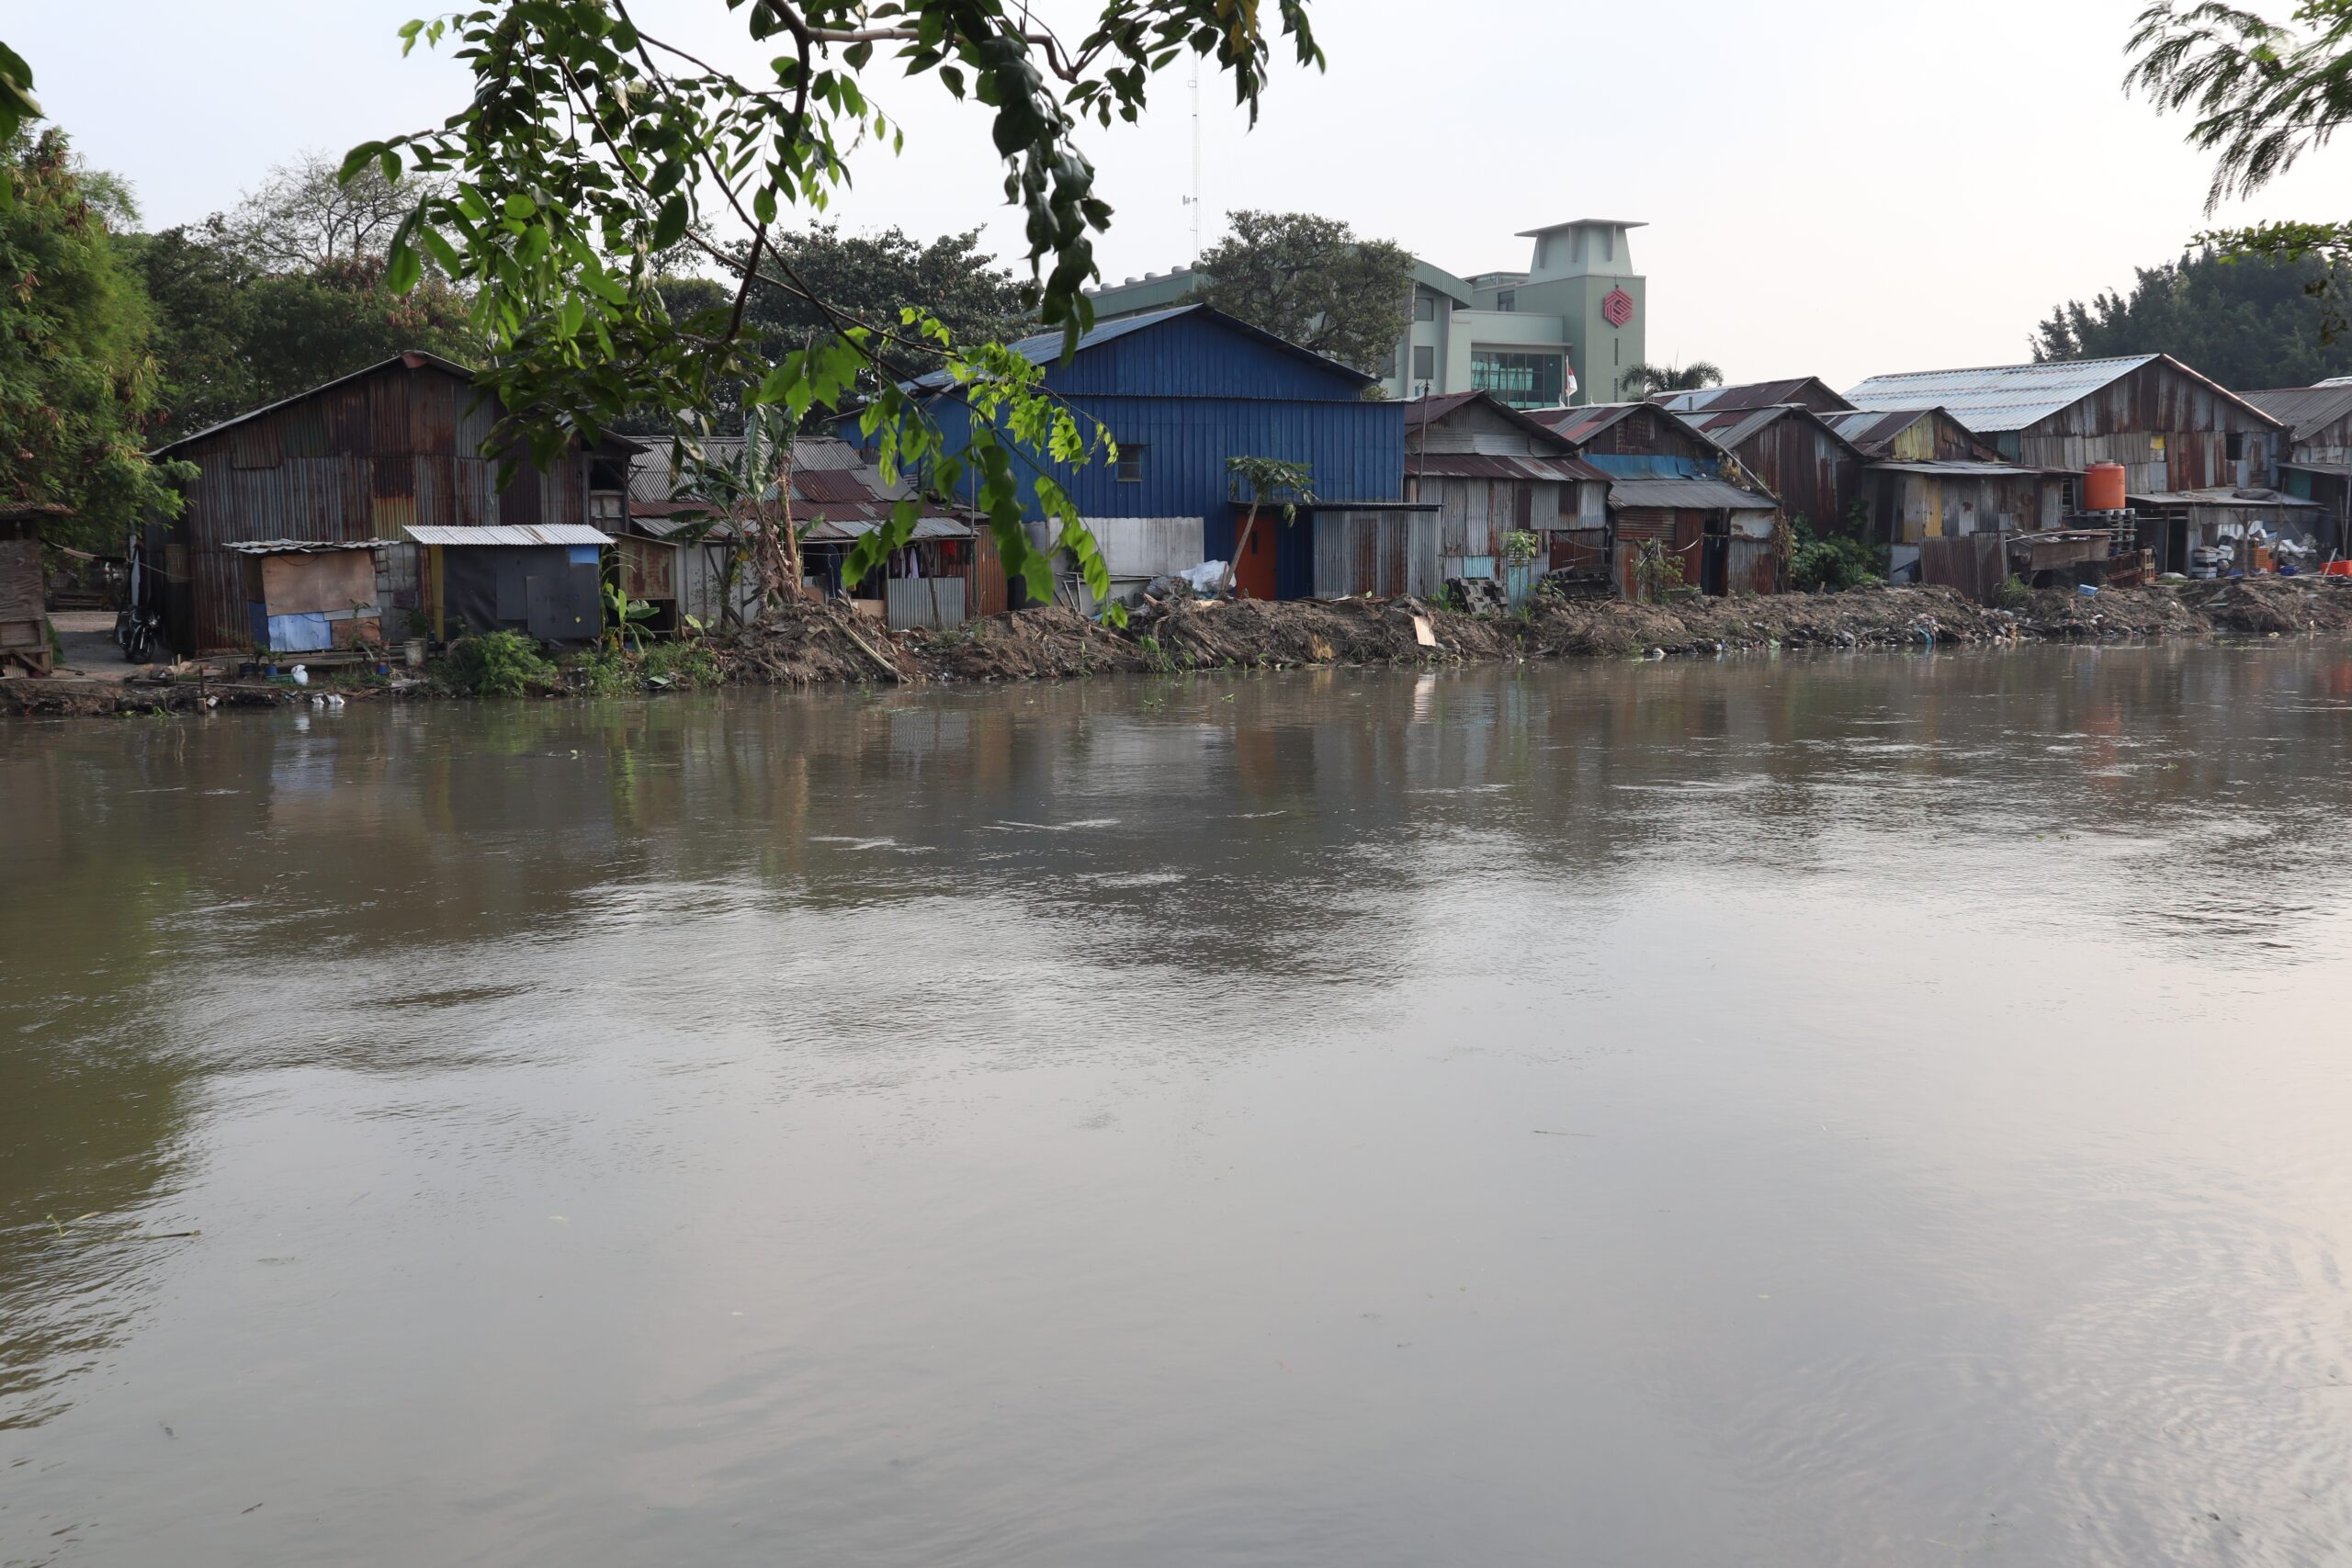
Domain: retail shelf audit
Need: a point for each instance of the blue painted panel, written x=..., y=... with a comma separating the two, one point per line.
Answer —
x=583, y=555
x=1195, y=357
x=1650, y=466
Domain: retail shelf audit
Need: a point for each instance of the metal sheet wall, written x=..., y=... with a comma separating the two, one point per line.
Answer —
x=1813, y=474
x=2169, y=432
x=357, y=461
x=923, y=602
x=1379, y=552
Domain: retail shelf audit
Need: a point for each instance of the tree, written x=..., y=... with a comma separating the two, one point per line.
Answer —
x=590, y=146
x=305, y=217
x=1639, y=380
x=872, y=276
x=1270, y=481
x=75, y=378
x=1314, y=282
x=2248, y=323
x=289, y=290
x=2263, y=95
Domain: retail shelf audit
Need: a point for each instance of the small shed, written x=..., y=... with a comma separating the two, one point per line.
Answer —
x=2174, y=523
x=1791, y=451
x=948, y=574
x=1491, y=470
x=23, y=608
x=408, y=441
x=1721, y=535
x=2317, y=463
x=311, y=595
x=1912, y=503
x=542, y=578
x=1669, y=486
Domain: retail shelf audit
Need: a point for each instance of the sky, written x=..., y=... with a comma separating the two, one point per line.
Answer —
x=1832, y=187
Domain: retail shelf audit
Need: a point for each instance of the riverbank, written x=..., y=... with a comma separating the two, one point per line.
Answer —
x=827, y=644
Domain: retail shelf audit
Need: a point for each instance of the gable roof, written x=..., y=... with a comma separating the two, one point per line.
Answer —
x=1871, y=432
x=408, y=358
x=1579, y=425
x=1422, y=413
x=1810, y=390
x=1045, y=349
x=2304, y=408
x=2010, y=397
x=1728, y=428
x=411, y=358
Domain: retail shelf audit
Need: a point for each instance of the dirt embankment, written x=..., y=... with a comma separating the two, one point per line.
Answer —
x=827, y=643
x=1040, y=644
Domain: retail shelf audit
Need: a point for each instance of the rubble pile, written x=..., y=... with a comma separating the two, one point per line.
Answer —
x=814, y=641
x=1031, y=644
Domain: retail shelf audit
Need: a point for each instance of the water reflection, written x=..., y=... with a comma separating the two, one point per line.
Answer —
x=1839, y=1109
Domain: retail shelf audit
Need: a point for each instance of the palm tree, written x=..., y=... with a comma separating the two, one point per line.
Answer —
x=1640, y=380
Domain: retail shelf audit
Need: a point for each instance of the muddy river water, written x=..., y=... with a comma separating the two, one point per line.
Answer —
x=1888, y=1109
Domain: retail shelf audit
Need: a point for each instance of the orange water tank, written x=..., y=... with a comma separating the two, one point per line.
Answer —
x=2103, y=488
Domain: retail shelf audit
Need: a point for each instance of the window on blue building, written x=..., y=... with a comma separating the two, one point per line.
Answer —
x=1131, y=462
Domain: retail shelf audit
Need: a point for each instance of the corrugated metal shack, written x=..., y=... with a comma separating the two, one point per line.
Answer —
x=1491, y=470
x=542, y=578
x=2171, y=429
x=24, y=605
x=2317, y=465
x=1180, y=391
x=950, y=573
x=1667, y=487
x=1791, y=451
x=362, y=457
x=308, y=597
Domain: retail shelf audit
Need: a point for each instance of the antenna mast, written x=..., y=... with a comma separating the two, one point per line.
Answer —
x=1194, y=201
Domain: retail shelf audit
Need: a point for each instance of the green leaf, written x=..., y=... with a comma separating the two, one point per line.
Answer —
x=358, y=158
x=401, y=269
x=671, y=226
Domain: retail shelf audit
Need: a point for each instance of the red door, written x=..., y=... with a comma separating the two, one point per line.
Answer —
x=1253, y=574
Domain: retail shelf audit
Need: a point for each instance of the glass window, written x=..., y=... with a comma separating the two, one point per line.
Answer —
x=1131, y=462
x=1424, y=307
x=1424, y=363
x=1507, y=299
x=1523, y=380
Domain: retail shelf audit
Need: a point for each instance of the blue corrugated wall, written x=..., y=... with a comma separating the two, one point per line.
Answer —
x=1191, y=392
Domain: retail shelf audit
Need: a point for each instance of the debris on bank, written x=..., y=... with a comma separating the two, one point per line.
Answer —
x=829, y=643
x=1181, y=633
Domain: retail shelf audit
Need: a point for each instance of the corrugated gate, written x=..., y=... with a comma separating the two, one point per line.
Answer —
x=1973, y=565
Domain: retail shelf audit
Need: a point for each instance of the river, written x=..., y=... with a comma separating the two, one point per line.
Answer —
x=1847, y=1111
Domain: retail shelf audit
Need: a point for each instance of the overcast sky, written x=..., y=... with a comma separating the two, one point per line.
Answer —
x=1836, y=187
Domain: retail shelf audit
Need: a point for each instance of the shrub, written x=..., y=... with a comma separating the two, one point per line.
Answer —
x=688, y=662
x=498, y=664
x=1837, y=562
x=2013, y=594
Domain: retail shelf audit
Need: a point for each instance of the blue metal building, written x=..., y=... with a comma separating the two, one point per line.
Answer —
x=1181, y=390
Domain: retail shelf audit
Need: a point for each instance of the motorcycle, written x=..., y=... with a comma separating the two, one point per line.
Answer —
x=138, y=624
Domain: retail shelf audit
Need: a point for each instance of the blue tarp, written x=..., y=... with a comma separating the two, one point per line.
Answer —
x=289, y=634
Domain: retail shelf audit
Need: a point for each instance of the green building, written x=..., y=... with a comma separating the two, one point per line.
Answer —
x=1559, y=333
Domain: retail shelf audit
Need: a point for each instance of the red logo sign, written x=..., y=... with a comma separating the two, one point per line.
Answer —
x=1617, y=306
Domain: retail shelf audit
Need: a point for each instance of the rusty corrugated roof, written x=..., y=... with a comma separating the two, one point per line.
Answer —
x=1688, y=495
x=1488, y=466
x=2305, y=409
x=1810, y=391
